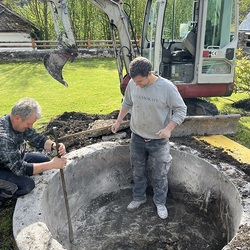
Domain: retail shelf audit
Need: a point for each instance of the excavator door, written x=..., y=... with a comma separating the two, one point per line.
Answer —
x=218, y=42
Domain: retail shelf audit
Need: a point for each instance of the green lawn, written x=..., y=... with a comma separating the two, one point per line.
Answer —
x=93, y=87
x=224, y=105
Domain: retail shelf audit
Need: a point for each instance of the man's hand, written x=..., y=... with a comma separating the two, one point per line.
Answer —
x=55, y=163
x=59, y=163
x=50, y=145
x=61, y=148
x=115, y=127
x=164, y=133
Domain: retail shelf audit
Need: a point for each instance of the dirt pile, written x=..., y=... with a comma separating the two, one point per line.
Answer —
x=75, y=122
x=242, y=104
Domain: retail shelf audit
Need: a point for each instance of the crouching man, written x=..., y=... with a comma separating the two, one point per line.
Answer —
x=16, y=164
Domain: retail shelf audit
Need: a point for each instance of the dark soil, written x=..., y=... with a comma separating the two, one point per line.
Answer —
x=74, y=122
x=242, y=104
x=213, y=154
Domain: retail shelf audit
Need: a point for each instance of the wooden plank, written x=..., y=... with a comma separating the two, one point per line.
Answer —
x=95, y=132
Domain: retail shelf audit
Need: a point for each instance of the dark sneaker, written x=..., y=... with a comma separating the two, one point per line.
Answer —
x=135, y=204
x=5, y=194
x=162, y=211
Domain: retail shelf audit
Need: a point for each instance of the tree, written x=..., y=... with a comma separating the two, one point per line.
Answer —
x=244, y=7
x=87, y=20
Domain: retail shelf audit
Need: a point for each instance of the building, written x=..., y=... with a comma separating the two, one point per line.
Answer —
x=15, y=31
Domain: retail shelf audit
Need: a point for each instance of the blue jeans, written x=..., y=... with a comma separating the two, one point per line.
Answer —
x=150, y=156
x=24, y=183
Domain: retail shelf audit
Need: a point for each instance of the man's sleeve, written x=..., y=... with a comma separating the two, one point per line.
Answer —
x=127, y=101
x=179, y=108
x=35, y=139
x=10, y=158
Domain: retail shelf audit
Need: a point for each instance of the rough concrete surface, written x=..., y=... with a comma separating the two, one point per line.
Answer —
x=99, y=181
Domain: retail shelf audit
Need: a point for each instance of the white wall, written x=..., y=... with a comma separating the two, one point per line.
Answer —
x=23, y=39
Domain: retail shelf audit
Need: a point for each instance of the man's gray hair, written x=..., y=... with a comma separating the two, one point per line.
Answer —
x=25, y=107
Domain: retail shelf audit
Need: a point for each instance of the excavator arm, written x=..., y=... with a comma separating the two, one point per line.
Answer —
x=67, y=47
x=120, y=22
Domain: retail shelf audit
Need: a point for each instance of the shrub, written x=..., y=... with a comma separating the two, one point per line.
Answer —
x=242, y=73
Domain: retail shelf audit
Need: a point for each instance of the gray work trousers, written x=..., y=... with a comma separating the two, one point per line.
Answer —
x=150, y=155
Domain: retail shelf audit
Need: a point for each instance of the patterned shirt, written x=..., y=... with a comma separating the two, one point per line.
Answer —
x=12, y=147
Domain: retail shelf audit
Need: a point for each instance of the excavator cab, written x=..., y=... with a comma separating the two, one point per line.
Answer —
x=193, y=43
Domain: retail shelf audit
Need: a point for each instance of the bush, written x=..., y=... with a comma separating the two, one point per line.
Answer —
x=242, y=73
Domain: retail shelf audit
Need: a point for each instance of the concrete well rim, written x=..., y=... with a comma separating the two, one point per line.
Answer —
x=23, y=227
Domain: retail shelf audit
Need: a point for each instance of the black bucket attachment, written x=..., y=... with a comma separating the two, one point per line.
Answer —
x=55, y=62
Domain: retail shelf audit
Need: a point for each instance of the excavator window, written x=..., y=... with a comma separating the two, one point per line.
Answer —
x=219, y=24
x=177, y=22
x=179, y=46
x=219, y=33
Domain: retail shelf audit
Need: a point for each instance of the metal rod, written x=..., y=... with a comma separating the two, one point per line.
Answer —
x=71, y=238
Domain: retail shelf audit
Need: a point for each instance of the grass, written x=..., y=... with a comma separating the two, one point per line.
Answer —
x=93, y=88
x=6, y=240
x=224, y=105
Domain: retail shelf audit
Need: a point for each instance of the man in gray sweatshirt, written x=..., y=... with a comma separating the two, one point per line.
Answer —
x=156, y=108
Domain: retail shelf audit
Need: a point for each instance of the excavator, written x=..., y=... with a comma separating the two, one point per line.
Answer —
x=192, y=43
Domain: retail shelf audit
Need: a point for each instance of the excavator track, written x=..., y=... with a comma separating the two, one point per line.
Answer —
x=197, y=106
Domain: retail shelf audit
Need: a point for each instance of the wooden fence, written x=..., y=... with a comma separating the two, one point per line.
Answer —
x=49, y=44
x=244, y=43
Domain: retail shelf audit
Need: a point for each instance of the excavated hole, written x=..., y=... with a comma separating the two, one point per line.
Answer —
x=106, y=224
x=208, y=205
x=204, y=207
